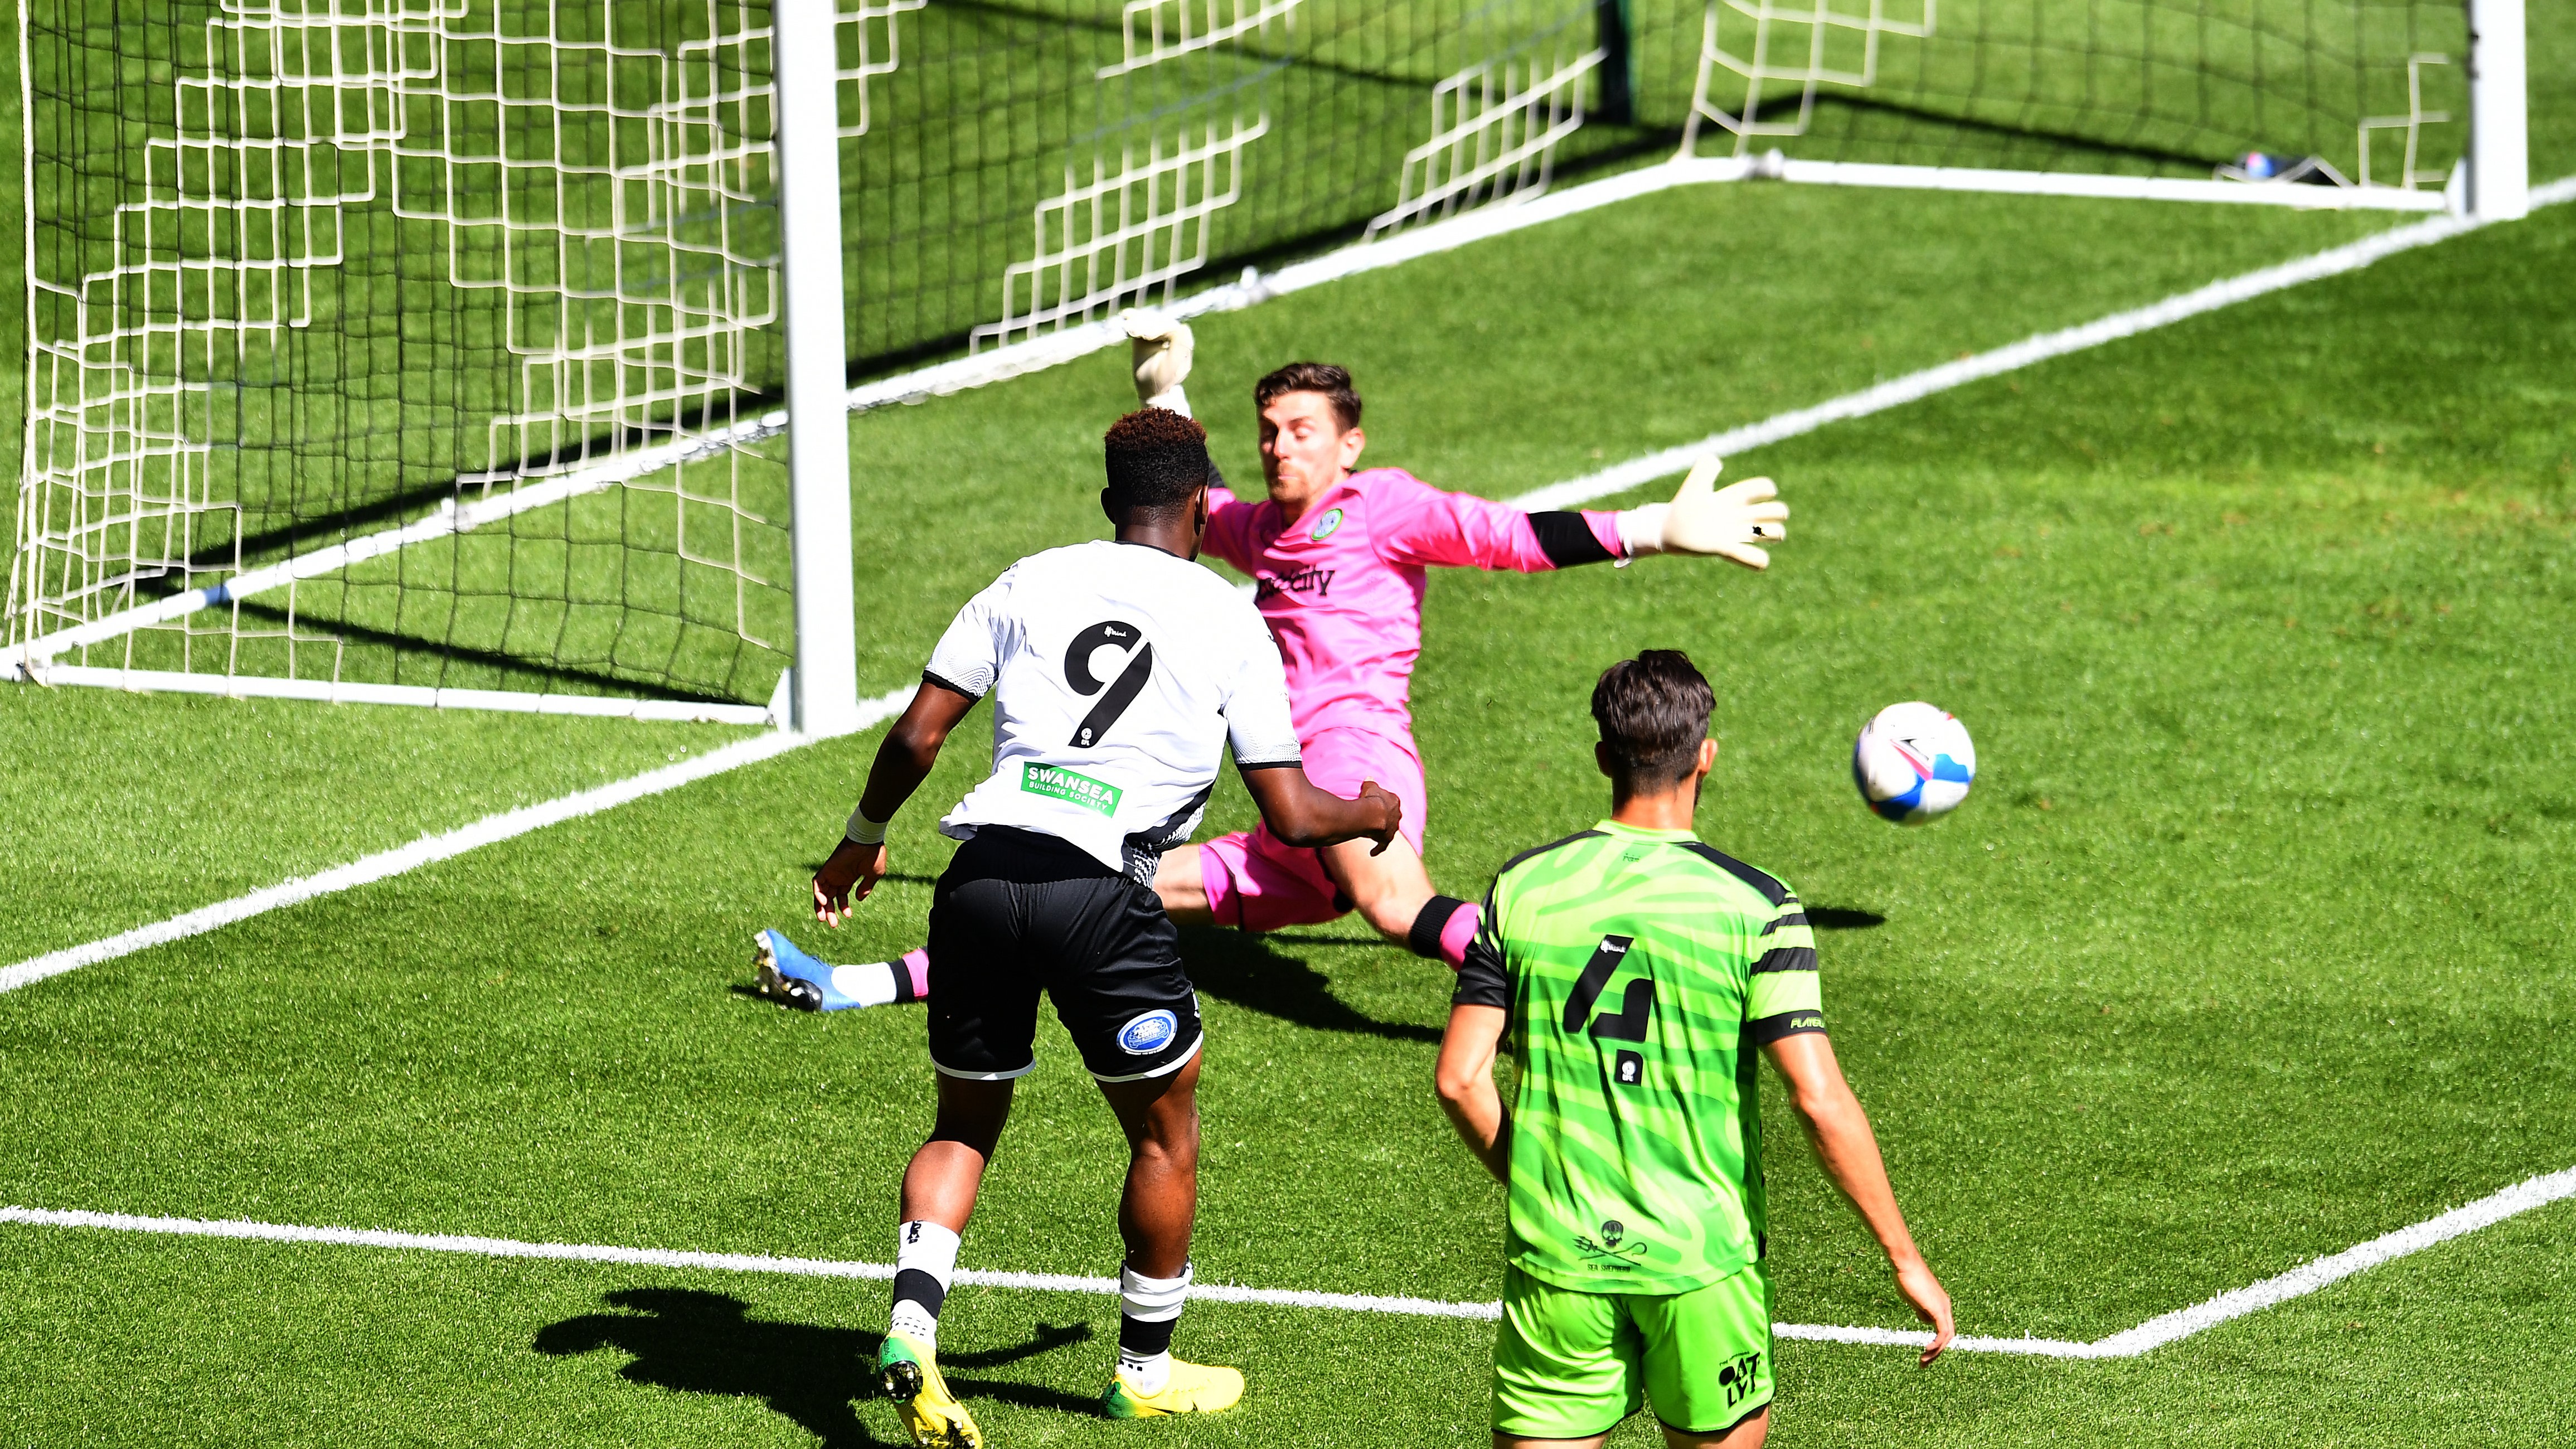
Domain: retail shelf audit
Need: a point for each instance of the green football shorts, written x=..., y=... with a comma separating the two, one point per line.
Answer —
x=1569, y=1365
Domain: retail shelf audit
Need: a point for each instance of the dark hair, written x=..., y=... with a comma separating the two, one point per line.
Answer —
x=1653, y=712
x=1156, y=458
x=1333, y=382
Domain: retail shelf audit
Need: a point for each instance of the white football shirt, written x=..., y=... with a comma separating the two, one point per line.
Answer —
x=1119, y=673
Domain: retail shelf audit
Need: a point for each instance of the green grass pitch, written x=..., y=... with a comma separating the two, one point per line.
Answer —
x=2250, y=945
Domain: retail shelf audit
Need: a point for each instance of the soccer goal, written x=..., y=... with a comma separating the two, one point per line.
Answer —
x=498, y=353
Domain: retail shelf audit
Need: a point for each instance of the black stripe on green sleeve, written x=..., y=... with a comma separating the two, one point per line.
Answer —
x=1790, y=918
x=1786, y=958
x=1763, y=1031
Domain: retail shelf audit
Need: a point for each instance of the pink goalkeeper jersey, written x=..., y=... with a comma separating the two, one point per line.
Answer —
x=1341, y=588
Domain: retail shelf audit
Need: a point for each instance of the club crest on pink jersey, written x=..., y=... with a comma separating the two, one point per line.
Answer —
x=1325, y=525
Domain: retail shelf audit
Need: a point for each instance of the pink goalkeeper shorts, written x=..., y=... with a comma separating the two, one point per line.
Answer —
x=1258, y=882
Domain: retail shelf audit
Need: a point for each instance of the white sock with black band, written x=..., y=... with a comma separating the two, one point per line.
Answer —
x=1148, y=1310
x=869, y=983
x=925, y=1258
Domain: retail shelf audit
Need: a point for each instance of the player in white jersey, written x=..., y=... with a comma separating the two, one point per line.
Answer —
x=1119, y=673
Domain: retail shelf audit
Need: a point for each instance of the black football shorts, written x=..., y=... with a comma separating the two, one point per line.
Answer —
x=1019, y=913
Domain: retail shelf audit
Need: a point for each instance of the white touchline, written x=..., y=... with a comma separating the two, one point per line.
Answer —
x=1896, y=392
x=2156, y=1332
x=430, y=849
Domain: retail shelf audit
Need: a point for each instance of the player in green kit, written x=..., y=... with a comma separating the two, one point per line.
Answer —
x=1634, y=970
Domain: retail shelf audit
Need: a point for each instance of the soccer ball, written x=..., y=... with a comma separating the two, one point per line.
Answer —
x=1913, y=762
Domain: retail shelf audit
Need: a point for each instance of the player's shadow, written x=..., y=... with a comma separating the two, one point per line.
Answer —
x=695, y=1342
x=1837, y=918
x=1246, y=970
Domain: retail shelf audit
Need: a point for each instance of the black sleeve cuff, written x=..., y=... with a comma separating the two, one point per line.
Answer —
x=1762, y=1031
x=1430, y=924
x=952, y=686
x=1482, y=980
x=1567, y=540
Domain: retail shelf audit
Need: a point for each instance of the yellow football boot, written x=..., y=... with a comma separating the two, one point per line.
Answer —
x=1192, y=1389
x=910, y=1372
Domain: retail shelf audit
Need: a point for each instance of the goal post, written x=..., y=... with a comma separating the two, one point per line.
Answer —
x=824, y=677
x=2499, y=162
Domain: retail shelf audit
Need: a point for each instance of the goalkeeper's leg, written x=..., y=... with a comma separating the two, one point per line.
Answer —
x=789, y=977
x=1253, y=881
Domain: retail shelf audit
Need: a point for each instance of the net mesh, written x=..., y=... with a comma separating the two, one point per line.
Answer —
x=300, y=271
x=2375, y=89
x=306, y=272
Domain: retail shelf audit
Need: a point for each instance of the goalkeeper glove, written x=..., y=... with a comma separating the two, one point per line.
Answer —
x=1731, y=523
x=1159, y=347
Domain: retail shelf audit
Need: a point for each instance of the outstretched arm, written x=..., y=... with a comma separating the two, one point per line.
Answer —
x=1466, y=1085
x=1414, y=523
x=1302, y=815
x=1839, y=1132
x=903, y=762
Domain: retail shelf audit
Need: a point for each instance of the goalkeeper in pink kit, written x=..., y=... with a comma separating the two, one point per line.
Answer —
x=1340, y=558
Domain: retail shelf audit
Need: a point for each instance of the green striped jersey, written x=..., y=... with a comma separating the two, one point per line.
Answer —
x=1640, y=969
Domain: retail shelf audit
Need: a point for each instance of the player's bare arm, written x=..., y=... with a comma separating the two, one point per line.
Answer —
x=903, y=761
x=1839, y=1132
x=1303, y=815
x=1465, y=1080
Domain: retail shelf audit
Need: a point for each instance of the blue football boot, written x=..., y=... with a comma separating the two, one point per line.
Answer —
x=792, y=978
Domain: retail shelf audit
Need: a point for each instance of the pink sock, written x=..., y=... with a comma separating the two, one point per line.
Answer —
x=1460, y=930
x=915, y=963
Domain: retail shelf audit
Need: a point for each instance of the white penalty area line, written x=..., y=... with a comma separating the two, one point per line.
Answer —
x=1914, y=386
x=2155, y=1333
x=430, y=849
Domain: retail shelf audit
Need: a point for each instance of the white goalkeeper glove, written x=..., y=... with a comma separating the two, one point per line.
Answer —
x=1159, y=347
x=1730, y=523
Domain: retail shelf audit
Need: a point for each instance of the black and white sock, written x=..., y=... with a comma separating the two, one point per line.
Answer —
x=1148, y=1310
x=925, y=1257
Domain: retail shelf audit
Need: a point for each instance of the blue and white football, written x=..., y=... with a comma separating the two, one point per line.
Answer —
x=1913, y=762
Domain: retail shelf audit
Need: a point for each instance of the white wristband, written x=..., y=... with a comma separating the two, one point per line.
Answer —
x=863, y=831
x=1641, y=530
x=1171, y=399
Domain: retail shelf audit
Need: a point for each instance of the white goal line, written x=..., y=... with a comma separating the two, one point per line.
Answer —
x=1054, y=349
x=1914, y=386
x=2155, y=1333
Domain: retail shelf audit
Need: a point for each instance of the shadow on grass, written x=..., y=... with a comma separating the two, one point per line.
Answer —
x=695, y=1342
x=1836, y=918
x=1249, y=971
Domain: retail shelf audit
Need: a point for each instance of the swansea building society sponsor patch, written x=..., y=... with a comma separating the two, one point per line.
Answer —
x=1148, y=1034
x=1057, y=783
